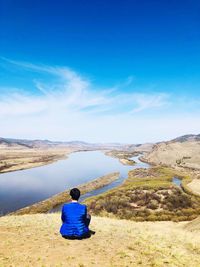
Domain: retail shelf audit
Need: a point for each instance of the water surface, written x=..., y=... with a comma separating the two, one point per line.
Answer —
x=177, y=181
x=22, y=188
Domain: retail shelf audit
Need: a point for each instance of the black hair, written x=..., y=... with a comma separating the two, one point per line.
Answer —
x=75, y=193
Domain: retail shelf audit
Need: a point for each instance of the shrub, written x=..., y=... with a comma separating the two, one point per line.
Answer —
x=141, y=202
x=156, y=196
x=152, y=218
x=153, y=204
x=163, y=217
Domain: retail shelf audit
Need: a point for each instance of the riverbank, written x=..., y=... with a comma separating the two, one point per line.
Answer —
x=58, y=199
x=124, y=157
x=34, y=240
x=14, y=159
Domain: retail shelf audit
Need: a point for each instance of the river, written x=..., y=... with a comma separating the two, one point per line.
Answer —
x=25, y=187
x=19, y=189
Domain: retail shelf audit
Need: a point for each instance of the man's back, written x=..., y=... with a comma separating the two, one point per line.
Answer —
x=74, y=217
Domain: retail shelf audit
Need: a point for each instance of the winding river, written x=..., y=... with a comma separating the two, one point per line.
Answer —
x=22, y=188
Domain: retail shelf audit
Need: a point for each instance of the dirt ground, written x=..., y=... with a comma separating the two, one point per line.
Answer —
x=34, y=240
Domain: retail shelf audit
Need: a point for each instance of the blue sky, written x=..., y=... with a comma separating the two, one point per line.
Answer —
x=99, y=71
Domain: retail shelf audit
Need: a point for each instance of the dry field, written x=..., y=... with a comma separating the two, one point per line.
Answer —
x=34, y=240
x=17, y=158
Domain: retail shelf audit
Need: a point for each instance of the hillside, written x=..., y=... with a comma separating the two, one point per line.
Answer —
x=180, y=152
x=34, y=240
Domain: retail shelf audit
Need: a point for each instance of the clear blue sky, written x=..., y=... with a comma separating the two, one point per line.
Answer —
x=146, y=51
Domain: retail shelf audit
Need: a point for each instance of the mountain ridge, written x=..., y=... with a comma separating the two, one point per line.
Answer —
x=37, y=143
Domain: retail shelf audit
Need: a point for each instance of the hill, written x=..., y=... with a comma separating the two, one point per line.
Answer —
x=183, y=152
x=187, y=137
x=34, y=240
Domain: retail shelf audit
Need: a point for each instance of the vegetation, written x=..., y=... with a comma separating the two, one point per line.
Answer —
x=147, y=194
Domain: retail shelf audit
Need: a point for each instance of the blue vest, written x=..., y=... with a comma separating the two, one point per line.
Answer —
x=74, y=217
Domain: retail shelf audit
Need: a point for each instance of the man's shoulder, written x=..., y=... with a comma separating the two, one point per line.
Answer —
x=83, y=206
x=70, y=204
x=66, y=205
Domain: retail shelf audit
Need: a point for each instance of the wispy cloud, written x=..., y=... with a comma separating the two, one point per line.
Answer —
x=72, y=91
x=69, y=106
x=152, y=101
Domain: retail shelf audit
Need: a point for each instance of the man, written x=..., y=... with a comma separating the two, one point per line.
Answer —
x=75, y=218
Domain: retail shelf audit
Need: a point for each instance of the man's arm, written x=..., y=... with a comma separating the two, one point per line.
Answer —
x=63, y=215
x=87, y=217
x=85, y=214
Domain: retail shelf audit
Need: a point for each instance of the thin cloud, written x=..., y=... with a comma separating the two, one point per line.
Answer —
x=75, y=92
x=69, y=106
x=152, y=101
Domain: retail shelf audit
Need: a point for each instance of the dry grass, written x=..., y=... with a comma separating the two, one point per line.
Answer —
x=34, y=240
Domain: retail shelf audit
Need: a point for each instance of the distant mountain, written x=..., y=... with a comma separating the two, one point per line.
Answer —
x=146, y=147
x=39, y=143
x=24, y=143
x=187, y=137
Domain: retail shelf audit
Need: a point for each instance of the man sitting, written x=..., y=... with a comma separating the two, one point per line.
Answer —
x=75, y=218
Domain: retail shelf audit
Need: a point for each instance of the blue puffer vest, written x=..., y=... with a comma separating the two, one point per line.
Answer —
x=74, y=217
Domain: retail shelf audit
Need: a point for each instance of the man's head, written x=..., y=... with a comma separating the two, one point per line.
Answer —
x=75, y=193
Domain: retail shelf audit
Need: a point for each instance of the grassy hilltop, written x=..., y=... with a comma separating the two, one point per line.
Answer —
x=34, y=240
